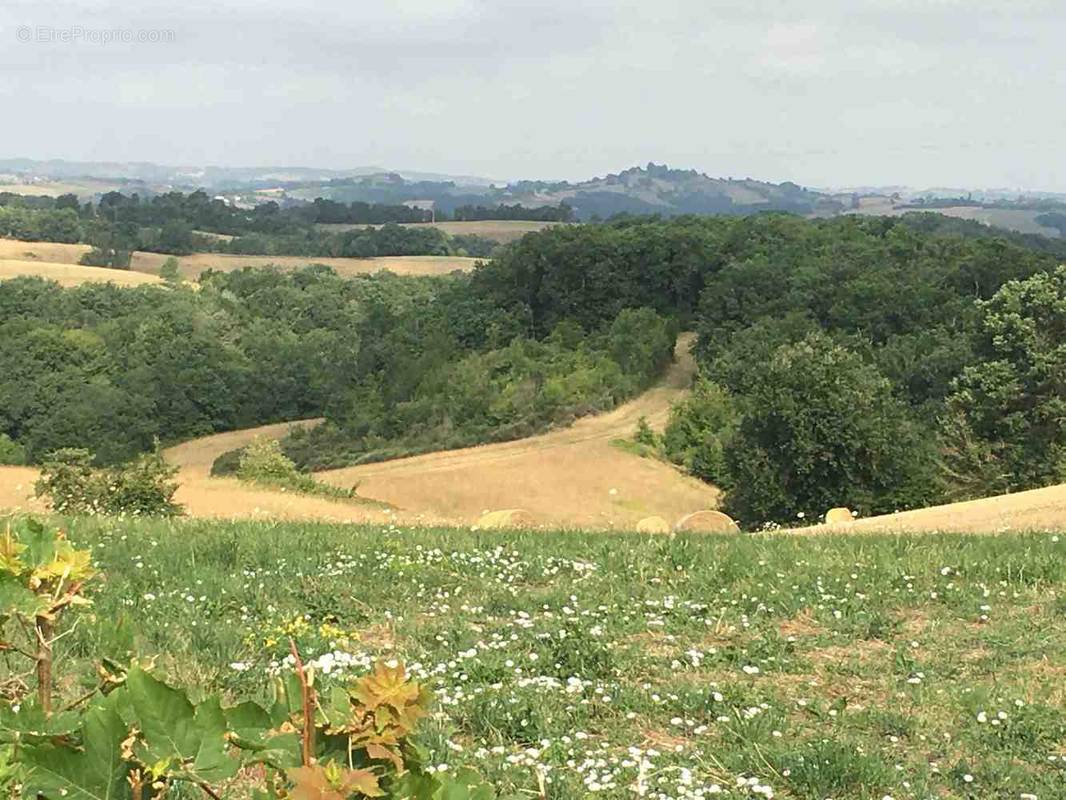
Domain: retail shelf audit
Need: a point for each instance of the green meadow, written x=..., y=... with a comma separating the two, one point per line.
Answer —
x=571, y=665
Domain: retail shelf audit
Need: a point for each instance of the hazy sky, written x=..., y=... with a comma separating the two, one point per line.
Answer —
x=823, y=92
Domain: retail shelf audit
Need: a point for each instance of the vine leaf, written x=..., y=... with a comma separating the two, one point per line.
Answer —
x=332, y=782
x=97, y=771
x=189, y=739
x=386, y=686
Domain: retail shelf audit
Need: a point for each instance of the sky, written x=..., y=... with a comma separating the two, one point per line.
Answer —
x=827, y=93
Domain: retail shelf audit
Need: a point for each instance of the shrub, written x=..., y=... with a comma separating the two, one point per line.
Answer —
x=699, y=431
x=263, y=462
x=143, y=487
x=12, y=454
x=644, y=434
x=170, y=271
x=822, y=428
x=227, y=464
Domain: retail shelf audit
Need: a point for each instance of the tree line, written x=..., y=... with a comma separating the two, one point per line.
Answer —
x=875, y=363
x=396, y=364
x=177, y=223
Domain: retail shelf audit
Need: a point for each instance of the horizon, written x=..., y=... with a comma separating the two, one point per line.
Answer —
x=370, y=170
x=875, y=92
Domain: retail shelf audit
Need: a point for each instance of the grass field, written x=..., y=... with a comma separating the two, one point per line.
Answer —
x=40, y=257
x=72, y=274
x=84, y=188
x=1019, y=220
x=193, y=266
x=623, y=666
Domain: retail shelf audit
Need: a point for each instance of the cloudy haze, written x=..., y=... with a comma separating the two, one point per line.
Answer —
x=823, y=92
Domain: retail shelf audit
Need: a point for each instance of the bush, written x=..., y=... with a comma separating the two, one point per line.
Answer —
x=264, y=463
x=644, y=434
x=700, y=430
x=12, y=454
x=227, y=464
x=822, y=428
x=143, y=487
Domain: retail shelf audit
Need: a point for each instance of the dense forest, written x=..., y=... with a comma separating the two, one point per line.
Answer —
x=876, y=363
x=397, y=364
x=179, y=224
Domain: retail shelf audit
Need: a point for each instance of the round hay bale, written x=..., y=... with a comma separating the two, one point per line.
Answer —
x=509, y=518
x=653, y=525
x=707, y=522
x=838, y=516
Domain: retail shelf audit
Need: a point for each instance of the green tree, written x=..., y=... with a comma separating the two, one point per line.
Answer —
x=822, y=429
x=700, y=432
x=12, y=454
x=1007, y=415
x=170, y=271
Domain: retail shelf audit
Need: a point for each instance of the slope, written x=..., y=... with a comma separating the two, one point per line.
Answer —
x=568, y=478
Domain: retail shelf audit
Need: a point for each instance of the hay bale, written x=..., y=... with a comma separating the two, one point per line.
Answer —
x=653, y=525
x=707, y=522
x=839, y=516
x=509, y=518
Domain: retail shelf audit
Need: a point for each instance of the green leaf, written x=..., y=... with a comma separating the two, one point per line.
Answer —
x=465, y=784
x=17, y=598
x=30, y=724
x=40, y=544
x=248, y=717
x=281, y=751
x=95, y=772
x=173, y=730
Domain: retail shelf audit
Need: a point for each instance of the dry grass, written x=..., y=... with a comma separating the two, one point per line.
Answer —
x=53, y=252
x=72, y=274
x=1037, y=509
x=569, y=478
x=498, y=230
x=16, y=489
x=83, y=188
x=193, y=266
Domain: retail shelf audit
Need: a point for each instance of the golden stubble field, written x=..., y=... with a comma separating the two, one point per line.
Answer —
x=568, y=478
x=47, y=258
x=503, y=231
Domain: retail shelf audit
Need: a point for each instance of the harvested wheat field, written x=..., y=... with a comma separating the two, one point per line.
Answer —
x=229, y=498
x=55, y=252
x=498, y=230
x=1036, y=509
x=16, y=490
x=570, y=478
x=193, y=266
x=72, y=274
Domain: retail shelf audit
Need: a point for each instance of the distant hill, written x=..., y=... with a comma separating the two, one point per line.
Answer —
x=651, y=189
x=654, y=189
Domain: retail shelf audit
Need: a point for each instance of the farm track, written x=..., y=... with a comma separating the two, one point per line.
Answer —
x=567, y=478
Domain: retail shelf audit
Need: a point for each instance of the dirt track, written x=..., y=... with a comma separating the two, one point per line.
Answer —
x=572, y=477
